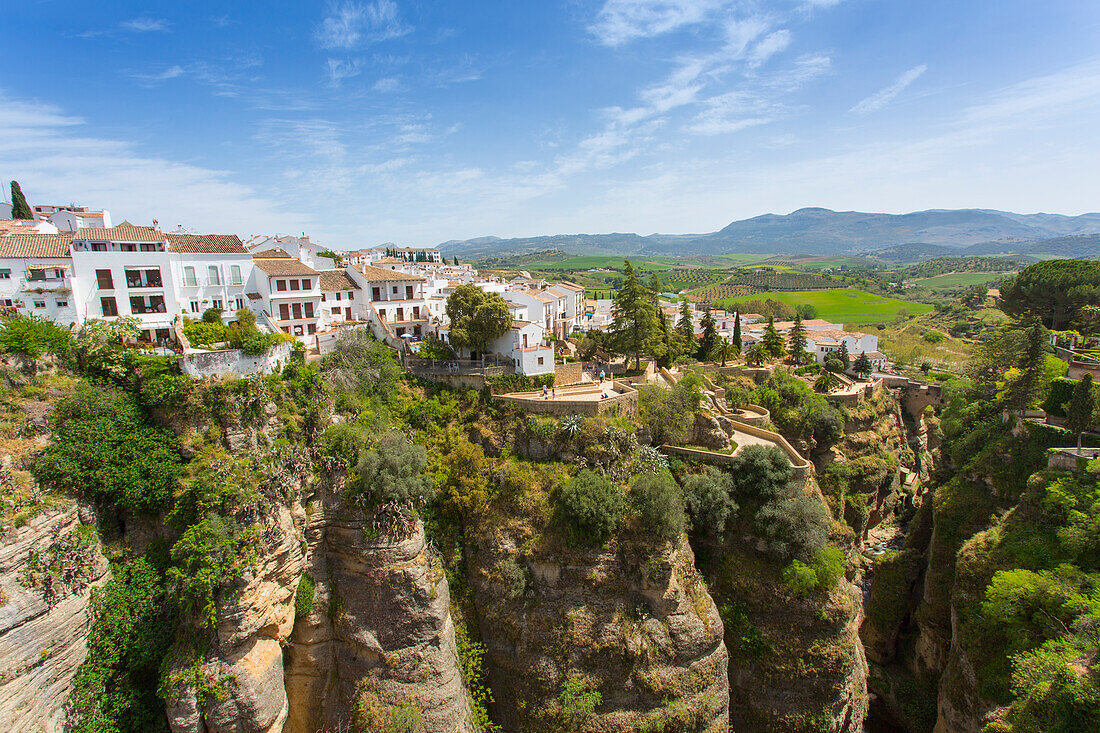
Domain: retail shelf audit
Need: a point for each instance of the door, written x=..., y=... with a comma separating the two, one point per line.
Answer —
x=347, y=314
x=376, y=293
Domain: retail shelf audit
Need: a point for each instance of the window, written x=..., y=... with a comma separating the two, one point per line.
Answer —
x=239, y=303
x=62, y=304
x=280, y=284
x=351, y=296
x=99, y=246
x=293, y=284
x=307, y=285
x=150, y=247
x=376, y=293
x=408, y=292
x=36, y=273
x=213, y=277
x=234, y=274
x=296, y=309
x=104, y=280
x=39, y=304
x=284, y=311
x=309, y=310
x=311, y=328
x=335, y=311
x=6, y=302
x=108, y=306
x=217, y=303
x=395, y=290
x=128, y=247
x=195, y=306
x=189, y=279
x=5, y=274
x=143, y=278
x=540, y=361
x=337, y=296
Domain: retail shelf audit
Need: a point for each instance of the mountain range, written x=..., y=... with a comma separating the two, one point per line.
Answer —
x=817, y=231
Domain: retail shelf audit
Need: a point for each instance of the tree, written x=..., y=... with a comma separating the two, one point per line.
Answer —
x=20, y=209
x=477, y=318
x=659, y=502
x=805, y=310
x=796, y=341
x=392, y=473
x=1053, y=290
x=665, y=348
x=844, y=356
x=1025, y=385
x=863, y=366
x=773, y=342
x=708, y=340
x=1080, y=408
x=737, y=332
x=756, y=355
x=685, y=328
x=708, y=500
x=456, y=260
x=591, y=505
x=833, y=364
x=634, y=327
x=826, y=383
x=724, y=351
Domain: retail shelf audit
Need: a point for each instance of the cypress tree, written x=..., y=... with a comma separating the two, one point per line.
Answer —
x=737, y=331
x=456, y=260
x=796, y=340
x=634, y=326
x=773, y=342
x=844, y=355
x=685, y=329
x=20, y=209
x=708, y=340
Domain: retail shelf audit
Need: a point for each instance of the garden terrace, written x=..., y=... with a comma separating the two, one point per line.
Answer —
x=606, y=398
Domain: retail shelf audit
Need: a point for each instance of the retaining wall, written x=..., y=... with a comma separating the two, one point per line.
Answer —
x=624, y=403
x=799, y=473
x=570, y=373
x=201, y=364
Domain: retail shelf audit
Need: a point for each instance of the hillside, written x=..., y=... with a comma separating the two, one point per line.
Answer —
x=820, y=231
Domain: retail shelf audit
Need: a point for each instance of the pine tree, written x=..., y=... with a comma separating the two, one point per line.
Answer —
x=796, y=340
x=1081, y=407
x=708, y=340
x=1026, y=388
x=685, y=329
x=664, y=350
x=20, y=209
x=844, y=356
x=773, y=343
x=634, y=327
x=863, y=365
x=737, y=331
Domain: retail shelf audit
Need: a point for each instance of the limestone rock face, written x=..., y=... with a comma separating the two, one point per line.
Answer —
x=638, y=626
x=708, y=432
x=41, y=643
x=379, y=633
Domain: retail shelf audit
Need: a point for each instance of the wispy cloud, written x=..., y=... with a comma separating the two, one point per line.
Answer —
x=387, y=84
x=769, y=46
x=622, y=21
x=54, y=157
x=228, y=77
x=145, y=24
x=350, y=25
x=340, y=69
x=884, y=96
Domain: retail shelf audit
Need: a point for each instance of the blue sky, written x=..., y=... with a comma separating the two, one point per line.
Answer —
x=417, y=122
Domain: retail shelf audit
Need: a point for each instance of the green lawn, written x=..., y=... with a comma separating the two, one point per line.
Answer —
x=840, y=306
x=953, y=280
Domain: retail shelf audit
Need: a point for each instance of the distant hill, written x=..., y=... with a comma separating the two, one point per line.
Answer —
x=816, y=231
x=1081, y=246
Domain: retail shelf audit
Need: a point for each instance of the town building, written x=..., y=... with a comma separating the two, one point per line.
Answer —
x=36, y=276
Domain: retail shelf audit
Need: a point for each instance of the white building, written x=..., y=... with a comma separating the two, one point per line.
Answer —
x=36, y=276
x=299, y=248
x=396, y=298
x=210, y=271
x=340, y=298
x=287, y=293
x=70, y=219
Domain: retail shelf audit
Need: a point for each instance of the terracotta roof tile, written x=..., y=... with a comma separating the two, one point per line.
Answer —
x=337, y=280
x=279, y=267
x=206, y=244
x=124, y=232
x=271, y=254
x=35, y=245
x=375, y=274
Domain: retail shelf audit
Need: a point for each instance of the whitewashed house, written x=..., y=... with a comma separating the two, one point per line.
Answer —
x=287, y=293
x=210, y=271
x=36, y=276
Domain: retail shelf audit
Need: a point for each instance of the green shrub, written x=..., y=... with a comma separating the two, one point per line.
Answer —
x=708, y=500
x=518, y=382
x=362, y=367
x=578, y=701
x=115, y=688
x=761, y=472
x=104, y=448
x=406, y=718
x=210, y=556
x=933, y=337
x=391, y=473
x=823, y=573
x=591, y=505
x=303, y=597
x=669, y=414
x=166, y=390
x=794, y=524
x=32, y=336
x=204, y=333
x=659, y=502
x=800, y=578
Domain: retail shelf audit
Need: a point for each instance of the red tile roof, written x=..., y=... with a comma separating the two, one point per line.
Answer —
x=206, y=244
x=35, y=245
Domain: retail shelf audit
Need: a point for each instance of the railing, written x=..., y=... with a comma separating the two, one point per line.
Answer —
x=489, y=367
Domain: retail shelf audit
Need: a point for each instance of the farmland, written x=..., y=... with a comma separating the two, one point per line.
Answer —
x=840, y=306
x=955, y=280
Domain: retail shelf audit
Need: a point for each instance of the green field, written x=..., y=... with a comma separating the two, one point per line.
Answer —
x=954, y=280
x=840, y=306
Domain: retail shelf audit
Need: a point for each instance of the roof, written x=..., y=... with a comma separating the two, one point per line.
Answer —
x=206, y=244
x=390, y=261
x=380, y=273
x=271, y=254
x=571, y=286
x=35, y=245
x=337, y=280
x=284, y=267
x=124, y=232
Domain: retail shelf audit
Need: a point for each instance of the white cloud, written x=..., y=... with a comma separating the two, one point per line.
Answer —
x=772, y=44
x=340, y=69
x=351, y=24
x=170, y=73
x=387, y=84
x=883, y=97
x=145, y=24
x=622, y=21
x=54, y=159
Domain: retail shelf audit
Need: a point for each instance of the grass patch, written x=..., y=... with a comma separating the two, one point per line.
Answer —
x=847, y=305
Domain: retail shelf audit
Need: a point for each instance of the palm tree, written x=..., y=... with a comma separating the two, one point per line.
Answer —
x=756, y=355
x=724, y=351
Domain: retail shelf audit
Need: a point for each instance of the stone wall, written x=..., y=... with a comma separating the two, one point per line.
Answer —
x=570, y=373
x=624, y=403
x=200, y=364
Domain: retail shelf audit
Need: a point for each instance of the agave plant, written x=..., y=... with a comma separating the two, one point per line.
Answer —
x=571, y=425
